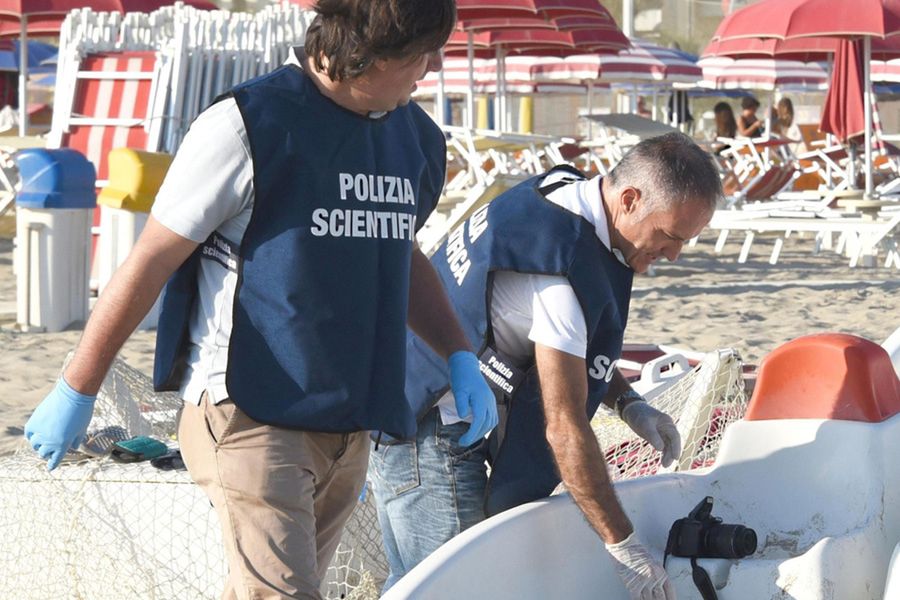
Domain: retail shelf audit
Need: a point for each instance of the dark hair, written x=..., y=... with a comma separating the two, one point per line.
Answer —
x=785, y=113
x=671, y=169
x=749, y=102
x=347, y=35
x=726, y=126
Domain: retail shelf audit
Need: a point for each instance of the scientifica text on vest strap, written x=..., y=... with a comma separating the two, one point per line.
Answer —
x=383, y=223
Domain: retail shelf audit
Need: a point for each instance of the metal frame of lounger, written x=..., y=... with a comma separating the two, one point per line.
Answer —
x=830, y=163
x=7, y=188
x=509, y=153
x=860, y=237
x=764, y=185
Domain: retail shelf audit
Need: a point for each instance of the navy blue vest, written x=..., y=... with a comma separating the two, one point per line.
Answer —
x=319, y=325
x=524, y=232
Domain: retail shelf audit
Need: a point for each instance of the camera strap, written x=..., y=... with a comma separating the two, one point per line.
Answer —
x=702, y=581
x=701, y=578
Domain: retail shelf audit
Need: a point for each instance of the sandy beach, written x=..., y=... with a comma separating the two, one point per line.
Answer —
x=702, y=302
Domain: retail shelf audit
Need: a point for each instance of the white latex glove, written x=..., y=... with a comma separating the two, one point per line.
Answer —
x=656, y=427
x=643, y=576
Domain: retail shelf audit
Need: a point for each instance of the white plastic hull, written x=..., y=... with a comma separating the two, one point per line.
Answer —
x=822, y=496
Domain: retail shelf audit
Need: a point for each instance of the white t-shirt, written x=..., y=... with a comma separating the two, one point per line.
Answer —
x=209, y=187
x=529, y=309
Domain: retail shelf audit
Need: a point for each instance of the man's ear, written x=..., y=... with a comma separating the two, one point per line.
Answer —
x=630, y=197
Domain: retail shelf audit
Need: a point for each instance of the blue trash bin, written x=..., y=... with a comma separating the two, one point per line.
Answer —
x=54, y=213
x=58, y=178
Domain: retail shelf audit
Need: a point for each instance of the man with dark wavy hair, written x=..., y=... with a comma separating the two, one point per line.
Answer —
x=288, y=218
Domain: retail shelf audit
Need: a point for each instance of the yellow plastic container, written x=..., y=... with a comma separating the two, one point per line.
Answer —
x=526, y=114
x=134, y=179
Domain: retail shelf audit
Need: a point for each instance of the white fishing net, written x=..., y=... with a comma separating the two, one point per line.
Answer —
x=96, y=529
x=702, y=404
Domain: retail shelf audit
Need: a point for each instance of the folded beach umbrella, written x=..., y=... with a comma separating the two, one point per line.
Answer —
x=844, y=114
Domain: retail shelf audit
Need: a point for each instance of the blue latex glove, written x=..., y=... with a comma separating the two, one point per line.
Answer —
x=59, y=423
x=473, y=396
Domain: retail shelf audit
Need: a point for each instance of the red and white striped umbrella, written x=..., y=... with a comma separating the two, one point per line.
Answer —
x=786, y=19
x=532, y=42
x=597, y=37
x=723, y=73
x=519, y=79
x=643, y=62
x=538, y=42
x=468, y=10
x=573, y=23
x=886, y=71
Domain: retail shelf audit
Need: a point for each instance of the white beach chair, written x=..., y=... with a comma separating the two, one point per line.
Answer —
x=486, y=153
x=860, y=238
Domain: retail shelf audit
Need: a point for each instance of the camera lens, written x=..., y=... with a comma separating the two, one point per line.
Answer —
x=729, y=541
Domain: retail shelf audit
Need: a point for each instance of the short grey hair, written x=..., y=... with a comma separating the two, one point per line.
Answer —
x=669, y=170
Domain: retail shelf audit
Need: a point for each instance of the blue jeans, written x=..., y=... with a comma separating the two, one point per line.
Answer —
x=426, y=491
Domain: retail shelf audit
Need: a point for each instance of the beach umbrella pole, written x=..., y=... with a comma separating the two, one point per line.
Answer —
x=23, y=76
x=867, y=101
x=590, y=109
x=470, y=93
x=498, y=94
x=628, y=17
x=504, y=99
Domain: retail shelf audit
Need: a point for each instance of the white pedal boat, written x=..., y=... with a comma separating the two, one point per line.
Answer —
x=813, y=469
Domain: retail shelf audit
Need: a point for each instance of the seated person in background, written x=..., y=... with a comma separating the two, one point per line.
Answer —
x=726, y=126
x=642, y=109
x=748, y=124
x=784, y=125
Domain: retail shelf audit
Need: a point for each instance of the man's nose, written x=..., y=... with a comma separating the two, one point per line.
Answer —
x=672, y=250
x=435, y=61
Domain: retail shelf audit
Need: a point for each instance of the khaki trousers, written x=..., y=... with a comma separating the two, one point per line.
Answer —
x=282, y=496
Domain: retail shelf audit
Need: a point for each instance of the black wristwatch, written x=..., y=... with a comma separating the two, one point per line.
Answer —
x=626, y=398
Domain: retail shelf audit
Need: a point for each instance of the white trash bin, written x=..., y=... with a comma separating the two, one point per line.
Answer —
x=53, y=232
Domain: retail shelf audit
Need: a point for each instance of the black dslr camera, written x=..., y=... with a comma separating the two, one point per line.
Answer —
x=702, y=535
